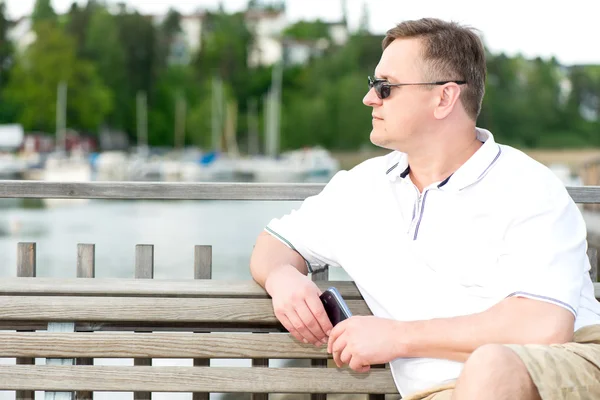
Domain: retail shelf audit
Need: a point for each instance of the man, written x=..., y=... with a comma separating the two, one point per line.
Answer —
x=471, y=255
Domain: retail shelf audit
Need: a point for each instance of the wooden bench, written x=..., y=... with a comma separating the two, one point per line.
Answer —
x=71, y=322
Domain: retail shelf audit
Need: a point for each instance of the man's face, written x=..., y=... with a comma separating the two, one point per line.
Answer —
x=406, y=112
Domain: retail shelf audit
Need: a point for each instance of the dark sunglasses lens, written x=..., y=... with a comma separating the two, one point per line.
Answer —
x=382, y=89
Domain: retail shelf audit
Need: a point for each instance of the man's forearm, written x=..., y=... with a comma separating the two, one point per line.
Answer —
x=514, y=320
x=270, y=254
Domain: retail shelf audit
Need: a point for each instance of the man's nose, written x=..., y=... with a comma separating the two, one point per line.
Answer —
x=371, y=99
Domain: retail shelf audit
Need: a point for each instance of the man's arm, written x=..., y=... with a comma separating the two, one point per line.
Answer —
x=269, y=255
x=514, y=320
x=283, y=273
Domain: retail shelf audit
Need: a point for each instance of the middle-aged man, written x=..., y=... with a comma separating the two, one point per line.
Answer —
x=471, y=255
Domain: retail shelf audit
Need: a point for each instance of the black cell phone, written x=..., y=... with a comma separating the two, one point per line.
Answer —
x=335, y=306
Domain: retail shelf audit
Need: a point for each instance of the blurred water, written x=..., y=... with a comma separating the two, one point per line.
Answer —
x=174, y=227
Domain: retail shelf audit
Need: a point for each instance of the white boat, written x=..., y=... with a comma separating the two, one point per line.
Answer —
x=210, y=167
x=12, y=167
x=303, y=165
x=62, y=168
x=111, y=166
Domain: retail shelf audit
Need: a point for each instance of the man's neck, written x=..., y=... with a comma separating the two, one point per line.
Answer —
x=438, y=162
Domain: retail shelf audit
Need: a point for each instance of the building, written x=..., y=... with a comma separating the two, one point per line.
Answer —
x=22, y=34
x=267, y=27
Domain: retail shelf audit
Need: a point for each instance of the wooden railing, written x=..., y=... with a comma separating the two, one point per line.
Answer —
x=194, y=191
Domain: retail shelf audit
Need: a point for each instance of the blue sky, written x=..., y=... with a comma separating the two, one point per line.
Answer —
x=565, y=29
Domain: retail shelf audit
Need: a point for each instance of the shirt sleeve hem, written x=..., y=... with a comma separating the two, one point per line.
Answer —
x=547, y=299
x=291, y=246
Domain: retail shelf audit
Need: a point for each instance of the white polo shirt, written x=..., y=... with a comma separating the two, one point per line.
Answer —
x=502, y=225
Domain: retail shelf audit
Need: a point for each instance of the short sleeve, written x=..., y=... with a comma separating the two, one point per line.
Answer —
x=313, y=230
x=544, y=255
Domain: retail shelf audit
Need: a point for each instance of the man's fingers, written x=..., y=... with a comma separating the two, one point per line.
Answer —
x=339, y=345
x=318, y=311
x=356, y=364
x=313, y=331
x=300, y=326
x=285, y=321
x=335, y=334
x=345, y=356
x=336, y=359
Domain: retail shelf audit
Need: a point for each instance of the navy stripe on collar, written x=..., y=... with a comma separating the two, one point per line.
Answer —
x=392, y=168
x=442, y=183
x=405, y=173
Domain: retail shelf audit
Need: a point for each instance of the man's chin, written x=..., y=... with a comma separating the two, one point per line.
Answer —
x=378, y=139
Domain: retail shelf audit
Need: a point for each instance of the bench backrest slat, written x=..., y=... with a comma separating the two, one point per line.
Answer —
x=195, y=379
x=151, y=287
x=100, y=309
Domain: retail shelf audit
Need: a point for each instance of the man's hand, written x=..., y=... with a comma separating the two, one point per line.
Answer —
x=363, y=341
x=297, y=305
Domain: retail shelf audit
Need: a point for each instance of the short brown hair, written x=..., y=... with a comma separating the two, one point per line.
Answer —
x=450, y=51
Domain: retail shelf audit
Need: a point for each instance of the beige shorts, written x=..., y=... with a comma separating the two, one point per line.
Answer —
x=569, y=371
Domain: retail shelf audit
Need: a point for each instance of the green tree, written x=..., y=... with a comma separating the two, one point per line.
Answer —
x=37, y=73
x=305, y=30
x=78, y=22
x=43, y=12
x=225, y=44
x=137, y=36
x=7, y=110
x=176, y=82
x=103, y=48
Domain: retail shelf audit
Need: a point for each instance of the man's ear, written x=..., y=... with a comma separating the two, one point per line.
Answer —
x=448, y=98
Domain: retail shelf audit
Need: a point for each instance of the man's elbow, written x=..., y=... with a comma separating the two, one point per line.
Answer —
x=255, y=257
x=556, y=329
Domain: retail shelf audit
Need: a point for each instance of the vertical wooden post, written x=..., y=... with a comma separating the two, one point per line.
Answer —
x=26, y=267
x=144, y=269
x=593, y=256
x=319, y=276
x=202, y=270
x=60, y=327
x=86, y=268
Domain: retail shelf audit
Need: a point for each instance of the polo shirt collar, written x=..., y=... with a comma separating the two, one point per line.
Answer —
x=397, y=166
x=470, y=172
x=478, y=165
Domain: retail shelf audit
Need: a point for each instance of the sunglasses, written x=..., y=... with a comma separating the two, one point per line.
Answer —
x=383, y=88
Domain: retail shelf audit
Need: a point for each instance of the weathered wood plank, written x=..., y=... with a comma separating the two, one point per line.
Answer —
x=203, y=262
x=158, y=190
x=143, y=309
x=26, y=260
x=106, y=287
x=194, y=379
x=193, y=191
x=54, y=328
x=150, y=288
x=260, y=363
x=86, y=261
x=319, y=276
x=86, y=268
x=585, y=194
x=128, y=326
x=26, y=267
x=156, y=345
x=202, y=270
x=144, y=261
x=144, y=269
x=593, y=256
